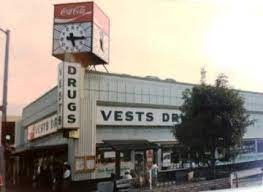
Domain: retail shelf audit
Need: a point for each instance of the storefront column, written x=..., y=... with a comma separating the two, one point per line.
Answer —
x=159, y=159
x=133, y=157
x=256, y=146
x=155, y=156
x=71, y=156
x=17, y=165
x=144, y=162
x=118, y=164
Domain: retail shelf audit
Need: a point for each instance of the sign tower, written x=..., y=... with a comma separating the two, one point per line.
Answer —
x=80, y=39
x=81, y=35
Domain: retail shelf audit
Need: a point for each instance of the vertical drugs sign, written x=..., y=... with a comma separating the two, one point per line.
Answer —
x=68, y=95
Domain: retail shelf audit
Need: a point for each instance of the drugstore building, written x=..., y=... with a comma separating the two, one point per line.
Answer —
x=122, y=118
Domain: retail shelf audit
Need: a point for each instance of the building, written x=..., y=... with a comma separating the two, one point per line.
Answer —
x=122, y=118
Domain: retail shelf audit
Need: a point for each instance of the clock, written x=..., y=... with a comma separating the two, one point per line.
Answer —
x=81, y=34
x=100, y=43
x=72, y=38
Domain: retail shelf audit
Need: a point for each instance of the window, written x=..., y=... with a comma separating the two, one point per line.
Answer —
x=260, y=146
x=248, y=146
x=109, y=156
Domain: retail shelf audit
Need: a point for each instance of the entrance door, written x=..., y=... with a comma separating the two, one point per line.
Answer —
x=139, y=162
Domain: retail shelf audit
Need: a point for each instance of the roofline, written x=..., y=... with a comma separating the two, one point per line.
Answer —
x=162, y=80
x=136, y=77
x=252, y=138
x=28, y=105
x=142, y=78
x=246, y=91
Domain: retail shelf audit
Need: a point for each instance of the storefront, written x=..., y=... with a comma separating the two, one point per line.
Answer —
x=29, y=159
x=118, y=156
x=116, y=114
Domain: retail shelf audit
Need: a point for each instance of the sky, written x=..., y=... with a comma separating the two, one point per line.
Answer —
x=164, y=38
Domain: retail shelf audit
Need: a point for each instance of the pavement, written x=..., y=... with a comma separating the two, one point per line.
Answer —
x=25, y=189
x=243, y=183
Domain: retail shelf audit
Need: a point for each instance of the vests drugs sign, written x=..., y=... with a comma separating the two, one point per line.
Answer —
x=134, y=116
x=68, y=95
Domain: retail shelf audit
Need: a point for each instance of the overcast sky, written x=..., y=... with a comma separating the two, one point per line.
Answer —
x=164, y=38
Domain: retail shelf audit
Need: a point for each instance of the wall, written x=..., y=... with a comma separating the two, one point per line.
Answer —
x=40, y=108
x=19, y=134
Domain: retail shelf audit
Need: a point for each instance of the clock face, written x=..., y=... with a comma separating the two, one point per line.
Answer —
x=72, y=38
x=100, y=45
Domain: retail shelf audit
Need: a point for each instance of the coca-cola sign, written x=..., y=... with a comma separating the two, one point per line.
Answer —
x=73, y=12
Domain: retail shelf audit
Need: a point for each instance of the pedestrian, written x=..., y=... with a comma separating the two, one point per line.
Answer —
x=35, y=178
x=133, y=174
x=113, y=179
x=1, y=182
x=66, y=177
x=127, y=175
x=57, y=177
x=154, y=174
x=40, y=176
x=52, y=177
x=150, y=178
x=45, y=176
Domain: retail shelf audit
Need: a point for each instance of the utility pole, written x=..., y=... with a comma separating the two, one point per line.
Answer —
x=203, y=75
x=4, y=108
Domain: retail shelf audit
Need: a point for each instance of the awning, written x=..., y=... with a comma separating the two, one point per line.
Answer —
x=168, y=144
x=28, y=149
x=124, y=145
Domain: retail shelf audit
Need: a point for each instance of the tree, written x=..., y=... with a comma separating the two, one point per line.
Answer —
x=213, y=121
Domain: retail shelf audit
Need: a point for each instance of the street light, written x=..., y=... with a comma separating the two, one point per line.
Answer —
x=4, y=105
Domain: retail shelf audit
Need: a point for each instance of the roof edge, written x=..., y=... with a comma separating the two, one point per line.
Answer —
x=43, y=95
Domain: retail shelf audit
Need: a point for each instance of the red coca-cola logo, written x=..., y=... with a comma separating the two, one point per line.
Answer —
x=76, y=12
x=73, y=11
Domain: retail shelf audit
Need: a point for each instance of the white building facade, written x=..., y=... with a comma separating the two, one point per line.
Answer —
x=119, y=107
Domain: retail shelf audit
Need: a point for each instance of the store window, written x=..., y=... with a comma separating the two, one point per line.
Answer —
x=105, y=163
x=260, y=146
x=248, y=146
x=109, y=156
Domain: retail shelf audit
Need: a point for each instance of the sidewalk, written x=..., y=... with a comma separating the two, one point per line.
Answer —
x=25, y=189
x=188, y=187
